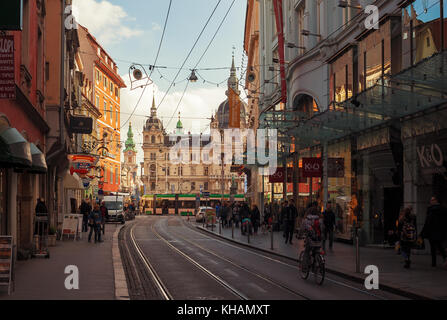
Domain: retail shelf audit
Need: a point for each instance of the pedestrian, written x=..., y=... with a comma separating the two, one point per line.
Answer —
x=289, y=220
x=104, y=216
x=256, y=218
x=85, y=210
x=282, y=215
x=329, y=225
x=408, y=234
x=94, y=221
x=41, y=211
x=245, y=215
x=435, y=229
x=223, y=214
x=236, y=214
x=229, y=215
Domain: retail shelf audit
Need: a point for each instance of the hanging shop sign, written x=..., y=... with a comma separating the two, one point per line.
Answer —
x=7, y=74
x=278, y=176
x=234, y=103
x=11, y=15
x=312, y=167
x=336, y=167
x=277, y=5
x=82, y=164
x=81, y=125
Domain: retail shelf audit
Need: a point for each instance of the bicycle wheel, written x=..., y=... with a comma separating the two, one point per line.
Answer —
x=319, y=269
x=304, y=265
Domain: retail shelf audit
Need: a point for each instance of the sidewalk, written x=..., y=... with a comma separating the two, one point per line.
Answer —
x=43, y=279
x=421, y=281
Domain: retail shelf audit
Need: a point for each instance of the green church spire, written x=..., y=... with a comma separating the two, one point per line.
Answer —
x=130, y=144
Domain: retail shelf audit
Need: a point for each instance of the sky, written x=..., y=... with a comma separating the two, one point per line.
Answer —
x=130, y=31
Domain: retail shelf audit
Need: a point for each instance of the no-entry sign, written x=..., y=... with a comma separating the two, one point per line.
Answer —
x=7, y=80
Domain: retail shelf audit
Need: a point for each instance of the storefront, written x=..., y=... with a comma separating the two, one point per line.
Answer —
x=425, y=158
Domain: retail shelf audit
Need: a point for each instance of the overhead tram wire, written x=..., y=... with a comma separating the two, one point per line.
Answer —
x=189, y=54
x=155, y=63
x=201, y=57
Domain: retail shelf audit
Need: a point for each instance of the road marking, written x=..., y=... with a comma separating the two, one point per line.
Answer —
x=256, y=287
x=214, y=262
x=232, y=272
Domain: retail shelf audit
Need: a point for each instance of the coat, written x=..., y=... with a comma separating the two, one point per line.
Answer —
x=435, y=227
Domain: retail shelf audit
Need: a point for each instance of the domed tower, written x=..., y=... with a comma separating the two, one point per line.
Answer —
x=223, y=113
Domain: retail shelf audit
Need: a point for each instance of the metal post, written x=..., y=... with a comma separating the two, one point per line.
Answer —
x=232, y=230
x=248, y=234
x=271, y=238
x=220, y=225
x=357, y=250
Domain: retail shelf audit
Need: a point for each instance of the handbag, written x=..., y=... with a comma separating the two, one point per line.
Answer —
x=420, y=244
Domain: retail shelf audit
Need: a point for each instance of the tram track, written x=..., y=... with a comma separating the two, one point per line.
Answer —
x=245, y=269
x=288, y=264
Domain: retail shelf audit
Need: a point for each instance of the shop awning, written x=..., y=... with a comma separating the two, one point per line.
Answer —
x=39, y=164
x=15, y=151
x=73, y=182
x=430, y=73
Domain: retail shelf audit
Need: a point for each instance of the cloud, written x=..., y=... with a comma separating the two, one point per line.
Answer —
x=197, y=106
x=155, y=26
x=104, y=20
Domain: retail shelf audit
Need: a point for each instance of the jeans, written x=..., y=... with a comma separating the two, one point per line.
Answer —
x=288, y=231
x=84, y=224
x=328, y=234
x=97, y=229
x=434, y=246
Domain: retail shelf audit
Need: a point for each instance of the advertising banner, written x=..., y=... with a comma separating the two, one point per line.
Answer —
x=7, y=76
x=278, y=176
x=336, y=167
x=235, y=109
x=277, y=5
x=312, y=167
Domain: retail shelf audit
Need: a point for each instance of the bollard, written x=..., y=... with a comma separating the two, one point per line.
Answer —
x=271, y=237
x=220, y=226
x=248, y=235
x=232, y=230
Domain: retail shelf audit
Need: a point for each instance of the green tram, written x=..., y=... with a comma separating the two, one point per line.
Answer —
x=182, y=204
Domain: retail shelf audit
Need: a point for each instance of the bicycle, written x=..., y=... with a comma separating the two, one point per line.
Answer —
x=314, y=261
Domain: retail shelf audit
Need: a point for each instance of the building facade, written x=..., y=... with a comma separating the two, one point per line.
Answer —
x=191, y=172
x=365, y=98
x=102, y=71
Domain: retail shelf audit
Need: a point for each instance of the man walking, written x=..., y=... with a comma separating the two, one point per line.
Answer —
x=95, y=221
x=435, y=229
x=104, y=216
x=289, y=222
x=329, y=224
x=282, y=217
x=85, y=210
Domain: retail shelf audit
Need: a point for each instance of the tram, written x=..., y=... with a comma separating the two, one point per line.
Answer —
x=181, y=204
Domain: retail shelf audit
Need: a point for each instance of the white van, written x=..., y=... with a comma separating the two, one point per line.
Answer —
x=115, y=205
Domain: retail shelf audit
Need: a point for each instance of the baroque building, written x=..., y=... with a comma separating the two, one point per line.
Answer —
x=161, y=174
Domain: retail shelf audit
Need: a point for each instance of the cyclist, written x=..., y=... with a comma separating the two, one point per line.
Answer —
x=312, y=228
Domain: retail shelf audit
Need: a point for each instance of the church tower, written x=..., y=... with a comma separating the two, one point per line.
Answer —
x=130, y=153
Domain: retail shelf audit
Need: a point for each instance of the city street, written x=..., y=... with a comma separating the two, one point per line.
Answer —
x=188, y=264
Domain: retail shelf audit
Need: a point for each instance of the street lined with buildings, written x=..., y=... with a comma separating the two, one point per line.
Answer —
x=333, y=128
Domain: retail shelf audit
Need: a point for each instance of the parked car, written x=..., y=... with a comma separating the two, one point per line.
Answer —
x=200, y=215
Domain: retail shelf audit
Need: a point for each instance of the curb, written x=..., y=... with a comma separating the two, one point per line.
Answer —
x=351, y=277
x=121, y=290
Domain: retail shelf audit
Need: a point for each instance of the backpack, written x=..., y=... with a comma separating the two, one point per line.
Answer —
x=409, y=232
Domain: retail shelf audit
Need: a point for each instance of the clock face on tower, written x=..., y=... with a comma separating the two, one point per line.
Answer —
x=130, y=153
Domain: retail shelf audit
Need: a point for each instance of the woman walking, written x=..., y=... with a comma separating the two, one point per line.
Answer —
x=408, y=234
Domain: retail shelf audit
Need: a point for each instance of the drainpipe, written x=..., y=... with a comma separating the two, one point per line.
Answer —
x=61, y=108
x=62, y=86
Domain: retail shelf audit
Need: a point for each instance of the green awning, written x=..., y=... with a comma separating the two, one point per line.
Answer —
x=15, y=151
x=39, y=163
